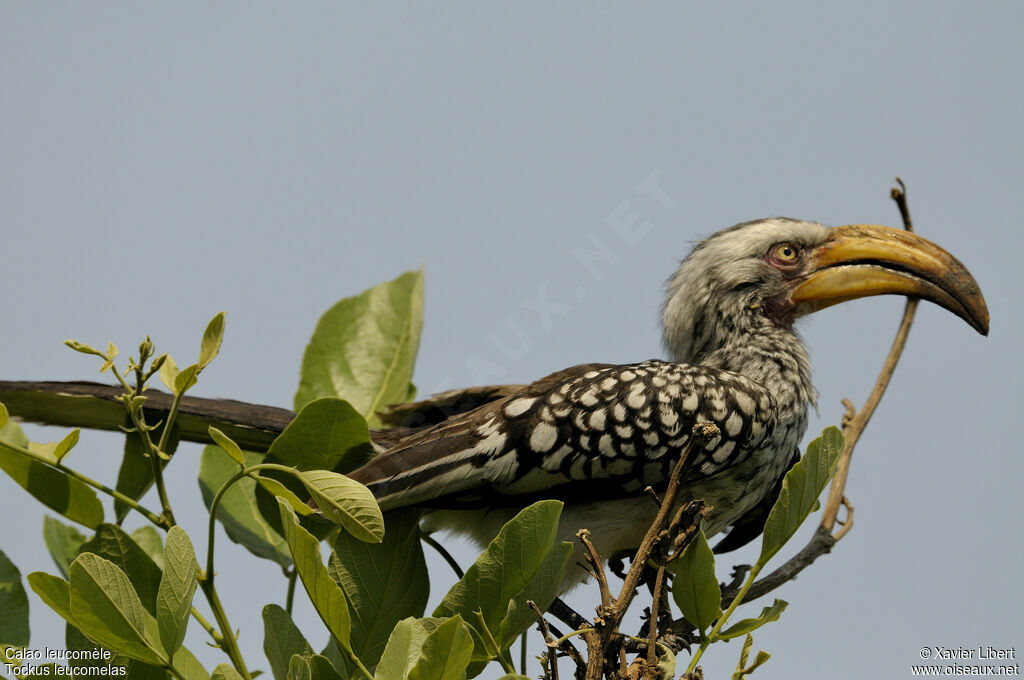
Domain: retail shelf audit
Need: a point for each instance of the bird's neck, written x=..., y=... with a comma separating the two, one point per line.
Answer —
x=772, y=356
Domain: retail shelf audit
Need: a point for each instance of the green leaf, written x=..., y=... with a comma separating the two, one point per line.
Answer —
x=109, y=357
x=229, y=447
x=177, y=586
x=327, y=434
x=185, y=379
x=62, y=541
x=768, y=614
x=226, y=672
x=383, y=583
x=426, y=649
x=83, y=348
x=364, y=347
x=50, y=486
x=212, y=337
x=76, y=640
x=54, y=592
x=188, y=665
x=136, y=670
x=113, y=544
x=13, y=604
x=168, y=372
x=276, y=488
x=522, y=562
x=742, y=670
x=135, y=477
x=695, y=587
x=281, y=640
x=324, y=593
x=800, y=490
x=107, y=609
x=298, y=668
x=4, y=416
x=238, y=511
x=445, y=653
x=323, y=669
x=65, y=445
x=148, y=538
x=347, y=502
x=403, y=648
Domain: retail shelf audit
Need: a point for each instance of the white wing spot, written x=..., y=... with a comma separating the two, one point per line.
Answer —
x=552, y=462
x=608, y=384
x=626, y=376
x=518, y=407
x=619, y=412
x=745, y=403
x=691, y=402
x=589, y=398
x=667, y=417
x=651, y=437
x=624, y=431
x=605, y=446
x=636, y=398
x=597, y=419
x=543, y=437
x=733, y=424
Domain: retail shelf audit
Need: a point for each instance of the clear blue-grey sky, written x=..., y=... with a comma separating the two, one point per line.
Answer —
x=161, y=163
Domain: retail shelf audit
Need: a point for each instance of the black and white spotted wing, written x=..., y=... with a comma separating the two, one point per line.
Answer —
x=594, y=428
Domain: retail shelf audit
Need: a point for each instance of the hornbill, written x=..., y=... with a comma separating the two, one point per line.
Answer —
x=596, y=435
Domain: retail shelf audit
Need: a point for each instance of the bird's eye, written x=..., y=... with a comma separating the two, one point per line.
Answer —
x=787, y=252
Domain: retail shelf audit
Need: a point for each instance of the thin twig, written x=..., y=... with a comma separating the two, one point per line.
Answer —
x=701, y=433
x=595, y=560
x=652, y=645
x=853, y=429
x=551, y=655
x=607, y=623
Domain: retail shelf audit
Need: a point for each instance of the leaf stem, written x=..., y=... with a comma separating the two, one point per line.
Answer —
x=207, y=626
x=432, y=542
x=506, y=664
x=153, y=452
x=290, y=597
x=710, y=637
x=228, y=642
x=358, y=664
x=130, y=502
x=215, y=505
x=581, y=631
x=174, y=671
